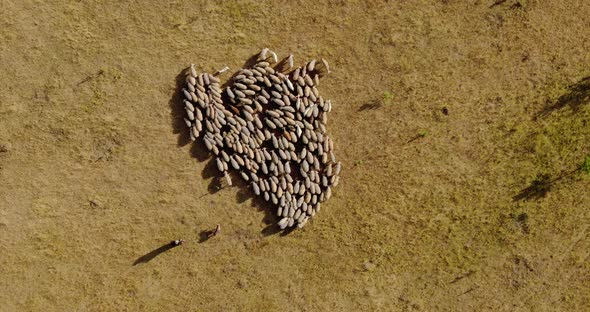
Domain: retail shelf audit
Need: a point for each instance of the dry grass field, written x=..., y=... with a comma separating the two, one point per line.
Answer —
x=461, y=126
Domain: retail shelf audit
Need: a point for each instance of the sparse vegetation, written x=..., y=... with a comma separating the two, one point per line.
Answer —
x=585, y=167
x=422, y=226
x=421, y=134
x=387, y=98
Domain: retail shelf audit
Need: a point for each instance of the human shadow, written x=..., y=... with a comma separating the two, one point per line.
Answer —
x=577, y=95
x=154, y=253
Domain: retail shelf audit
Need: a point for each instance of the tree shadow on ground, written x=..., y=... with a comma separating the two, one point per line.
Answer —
x=541, y=185
x=537, y=189
x=577, y=95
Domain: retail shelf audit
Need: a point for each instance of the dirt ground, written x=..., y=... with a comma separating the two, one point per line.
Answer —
x=461, y=126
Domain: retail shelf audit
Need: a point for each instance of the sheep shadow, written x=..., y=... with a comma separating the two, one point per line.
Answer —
x=198, y=149
x=371, y=105
x=270, y=218
x=210, y=171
